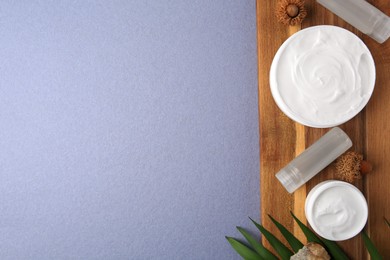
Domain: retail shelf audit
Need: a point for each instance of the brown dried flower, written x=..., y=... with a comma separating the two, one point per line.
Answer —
x=351, y=166
x=291, y=12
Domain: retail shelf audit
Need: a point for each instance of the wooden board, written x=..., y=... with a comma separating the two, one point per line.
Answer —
x=281, y=139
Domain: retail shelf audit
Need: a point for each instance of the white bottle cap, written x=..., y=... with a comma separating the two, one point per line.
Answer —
x=289, y=178
x=382, y=31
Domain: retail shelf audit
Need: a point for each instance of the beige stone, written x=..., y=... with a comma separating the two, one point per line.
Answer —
x=312, y=251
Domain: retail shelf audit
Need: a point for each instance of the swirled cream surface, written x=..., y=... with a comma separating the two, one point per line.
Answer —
x=322, y=76
x=336, y=210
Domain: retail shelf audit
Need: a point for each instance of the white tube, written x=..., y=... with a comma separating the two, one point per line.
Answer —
x=362, y=15
x=314, y=159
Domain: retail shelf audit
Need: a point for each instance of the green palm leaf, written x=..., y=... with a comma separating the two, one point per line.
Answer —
x=334, y=250
x=310, y=236
x=370, y=247
x=260, y=252
x=291, y=239
x=257, y=246
x=279, y=247
x=243, y=250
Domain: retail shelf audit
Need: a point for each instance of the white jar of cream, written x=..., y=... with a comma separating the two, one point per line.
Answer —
x=336, y=210
x=322, y=76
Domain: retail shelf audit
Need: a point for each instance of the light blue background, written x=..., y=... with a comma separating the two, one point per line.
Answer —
x=128, y=129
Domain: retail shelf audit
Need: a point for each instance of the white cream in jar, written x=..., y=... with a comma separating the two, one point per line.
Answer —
x=322, y=76
x=336, y=210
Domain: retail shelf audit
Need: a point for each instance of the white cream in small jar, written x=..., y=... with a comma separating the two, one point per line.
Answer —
x=336, y=210
x=322, y=76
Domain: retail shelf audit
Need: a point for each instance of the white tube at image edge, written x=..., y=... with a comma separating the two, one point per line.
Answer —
x=361, y=15
x=314, y=159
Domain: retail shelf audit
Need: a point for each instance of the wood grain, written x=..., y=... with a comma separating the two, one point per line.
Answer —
x=281, y=139
x=377, y=143
x=274, y=124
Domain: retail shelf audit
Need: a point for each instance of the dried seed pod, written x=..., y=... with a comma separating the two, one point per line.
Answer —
x=350, y=166
x=291, y=12
x=311, y=251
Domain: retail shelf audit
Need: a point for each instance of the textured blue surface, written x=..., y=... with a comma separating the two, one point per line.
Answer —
x=128, y=129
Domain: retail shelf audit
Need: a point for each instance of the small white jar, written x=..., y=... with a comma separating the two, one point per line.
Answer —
x=336, y=210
